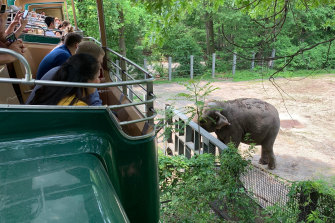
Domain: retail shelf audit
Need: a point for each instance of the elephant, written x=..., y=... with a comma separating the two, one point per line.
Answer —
x=232, y=120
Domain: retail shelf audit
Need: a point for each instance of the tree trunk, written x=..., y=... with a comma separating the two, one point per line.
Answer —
x=209, y=34
x=122, y=39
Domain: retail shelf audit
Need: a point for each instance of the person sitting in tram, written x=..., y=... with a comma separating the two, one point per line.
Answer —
x=58, y=22
x=8, y=38
x=59, y=55
x=84, y=47
x=78, y=68
x=50, y=21
x=65, y=28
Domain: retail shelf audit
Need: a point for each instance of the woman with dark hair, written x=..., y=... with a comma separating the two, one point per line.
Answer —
x=78, y=68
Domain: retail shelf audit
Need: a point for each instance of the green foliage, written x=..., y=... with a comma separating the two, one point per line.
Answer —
x=180, y=45
x=189, y=185
x=158, y=29
x=309, y=201
x=316, y=195
x=197, y=92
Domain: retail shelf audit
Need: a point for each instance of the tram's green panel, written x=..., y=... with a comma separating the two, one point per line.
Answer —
x=72, y=188
x=39, y=39
x=131, y=165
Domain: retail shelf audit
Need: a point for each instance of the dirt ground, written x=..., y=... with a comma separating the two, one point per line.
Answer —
x=305, y=146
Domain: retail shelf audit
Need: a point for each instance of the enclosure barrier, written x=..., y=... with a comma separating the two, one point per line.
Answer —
x=262, y=186
x=148, y=102
x=191, y=139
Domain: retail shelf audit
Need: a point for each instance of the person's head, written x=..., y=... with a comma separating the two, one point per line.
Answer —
x=71, y=41
x=66, y=27
x=66, y=23
x=91, y=48
x=78, y=68
x=58, y=22
x=50, y=21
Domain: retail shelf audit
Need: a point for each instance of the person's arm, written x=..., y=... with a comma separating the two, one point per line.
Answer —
x=23, y=23
x=17, y=46
x=12, y=25
x=5, y=59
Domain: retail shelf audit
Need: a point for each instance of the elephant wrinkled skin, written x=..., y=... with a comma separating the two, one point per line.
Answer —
x=233, y=120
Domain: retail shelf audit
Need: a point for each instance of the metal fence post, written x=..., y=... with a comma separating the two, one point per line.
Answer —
x=271, y=62
x=117, y=71
x=124, y=76
x=191, y=71
x=234, y=63
x=145, y=66
x=213, y=65
x=130, y=93
x=262, y=64
x=253, y=61
x=149, y=108
x=170, y=68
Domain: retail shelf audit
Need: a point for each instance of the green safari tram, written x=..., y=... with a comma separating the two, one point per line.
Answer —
x=76, y=163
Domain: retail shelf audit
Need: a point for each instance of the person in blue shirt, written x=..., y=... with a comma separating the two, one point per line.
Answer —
x=84, y=47
x=59, y=55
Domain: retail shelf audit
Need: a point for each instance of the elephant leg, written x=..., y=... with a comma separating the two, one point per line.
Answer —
x=268, y=157
x=264, y=158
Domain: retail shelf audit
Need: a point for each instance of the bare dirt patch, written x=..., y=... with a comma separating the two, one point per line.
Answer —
x=305, y=146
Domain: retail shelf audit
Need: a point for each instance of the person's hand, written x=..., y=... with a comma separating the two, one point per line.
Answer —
x=17, y=18
x=17, y=46
x=23, y=22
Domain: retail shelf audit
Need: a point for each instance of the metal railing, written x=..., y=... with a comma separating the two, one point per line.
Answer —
x=190, y=138
x=118, y=66
x=149, y=117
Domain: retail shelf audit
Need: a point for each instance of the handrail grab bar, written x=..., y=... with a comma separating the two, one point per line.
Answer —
x=122, y=57
x=22, y=60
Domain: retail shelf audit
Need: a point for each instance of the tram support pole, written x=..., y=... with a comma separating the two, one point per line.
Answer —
x=74, y=15
x=67, y=11
x=103, y=38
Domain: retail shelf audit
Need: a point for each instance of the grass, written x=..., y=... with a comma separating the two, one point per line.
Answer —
x=247, y=75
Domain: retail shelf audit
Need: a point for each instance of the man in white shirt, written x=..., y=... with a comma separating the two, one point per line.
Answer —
x=50, y=21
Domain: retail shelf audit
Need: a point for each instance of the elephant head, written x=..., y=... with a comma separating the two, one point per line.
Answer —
x=212, y=119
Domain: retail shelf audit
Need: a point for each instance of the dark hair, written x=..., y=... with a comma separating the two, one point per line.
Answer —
x=78, y=68
x=48, y=20
x=66, y=23
x=71, y=39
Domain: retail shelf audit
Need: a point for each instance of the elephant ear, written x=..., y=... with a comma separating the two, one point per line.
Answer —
x=220, y=120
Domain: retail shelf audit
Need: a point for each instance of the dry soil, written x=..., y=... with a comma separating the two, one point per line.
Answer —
x=305, y=146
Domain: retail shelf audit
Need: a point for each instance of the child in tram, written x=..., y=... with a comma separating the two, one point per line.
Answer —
x=78, y=68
